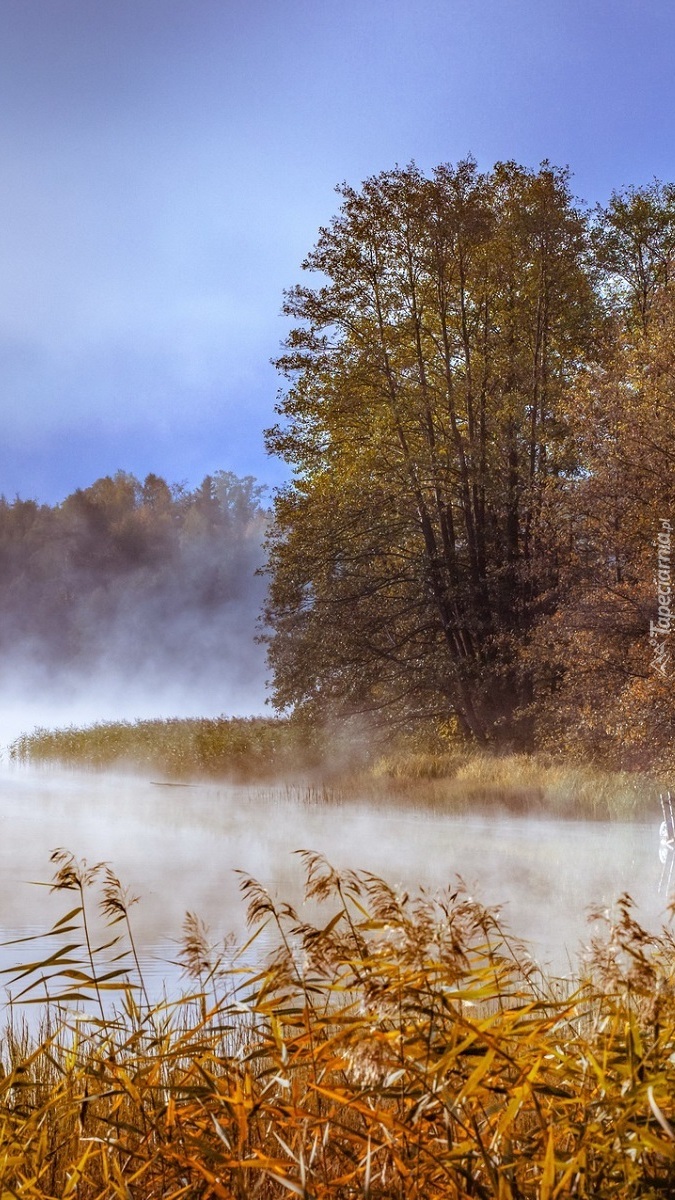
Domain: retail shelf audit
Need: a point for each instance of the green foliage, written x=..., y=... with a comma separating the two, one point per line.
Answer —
x=401, y=1047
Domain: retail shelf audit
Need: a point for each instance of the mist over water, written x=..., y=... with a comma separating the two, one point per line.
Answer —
x=135, y=600
x=232, y=683
x=179, y=848
x=132, y=600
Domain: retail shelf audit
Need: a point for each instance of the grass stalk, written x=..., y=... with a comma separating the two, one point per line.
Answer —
x=402, y=1051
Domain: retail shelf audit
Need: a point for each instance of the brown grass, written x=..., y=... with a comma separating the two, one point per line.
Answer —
x=398, y=1047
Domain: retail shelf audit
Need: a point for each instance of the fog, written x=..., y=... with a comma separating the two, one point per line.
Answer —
x=179, y=849
x=35, y=699
x=131, y=600
x=134, y=600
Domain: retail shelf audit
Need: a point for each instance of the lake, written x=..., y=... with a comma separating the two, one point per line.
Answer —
x=178, y=848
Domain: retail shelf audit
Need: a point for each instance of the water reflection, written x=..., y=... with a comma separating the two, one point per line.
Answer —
x=178, y=848
x=666, y=843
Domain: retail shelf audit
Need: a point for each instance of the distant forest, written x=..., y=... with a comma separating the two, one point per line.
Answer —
x=135, y=577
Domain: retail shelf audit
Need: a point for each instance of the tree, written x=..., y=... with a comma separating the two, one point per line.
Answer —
x=137, y=577
x=634, y=242
x=428, y=422
x=613, y=696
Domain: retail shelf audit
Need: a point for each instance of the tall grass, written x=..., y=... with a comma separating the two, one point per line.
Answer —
x=245, y=748
x=524, y=783
x=430, y=773
x=402, y=1046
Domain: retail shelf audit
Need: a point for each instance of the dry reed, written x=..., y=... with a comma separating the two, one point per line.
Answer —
x=403, y=1046
x=438, y=774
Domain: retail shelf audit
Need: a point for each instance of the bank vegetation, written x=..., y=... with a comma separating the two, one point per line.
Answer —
x=398, y=1047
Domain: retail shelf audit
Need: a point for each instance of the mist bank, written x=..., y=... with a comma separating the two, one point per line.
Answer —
x=343, y=763
x=131, y=599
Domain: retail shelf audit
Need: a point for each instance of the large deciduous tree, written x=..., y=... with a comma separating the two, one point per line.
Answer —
x=431, y=376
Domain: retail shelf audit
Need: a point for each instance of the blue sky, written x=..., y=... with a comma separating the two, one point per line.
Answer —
x=165, y=166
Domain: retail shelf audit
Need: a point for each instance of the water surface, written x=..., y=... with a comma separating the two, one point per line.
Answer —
x=179, y=848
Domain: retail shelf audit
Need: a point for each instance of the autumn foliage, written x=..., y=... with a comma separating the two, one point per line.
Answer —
x=479, y=417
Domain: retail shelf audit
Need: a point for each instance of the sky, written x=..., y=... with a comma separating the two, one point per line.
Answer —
x=165, y=166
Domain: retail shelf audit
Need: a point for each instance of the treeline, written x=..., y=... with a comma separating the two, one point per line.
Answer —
x=479, y=415
x=133, y=576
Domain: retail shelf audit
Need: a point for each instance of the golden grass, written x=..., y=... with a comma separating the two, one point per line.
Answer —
x=439, y=774
x=236, y=747
x=521, y=783
x=398, y=1049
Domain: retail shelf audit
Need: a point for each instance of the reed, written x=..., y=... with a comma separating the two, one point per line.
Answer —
x=400, y=1046
x=522, y=783
x=241, y=748
x=429, y=772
